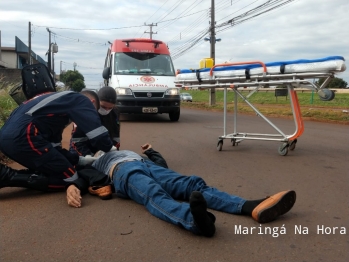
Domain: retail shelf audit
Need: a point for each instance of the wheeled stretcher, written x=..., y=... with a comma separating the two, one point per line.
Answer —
x=256, y=74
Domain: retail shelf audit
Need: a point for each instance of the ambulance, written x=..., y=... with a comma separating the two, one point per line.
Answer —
x=142, y=73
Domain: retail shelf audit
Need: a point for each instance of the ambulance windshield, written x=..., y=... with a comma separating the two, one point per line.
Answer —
x=143, y=64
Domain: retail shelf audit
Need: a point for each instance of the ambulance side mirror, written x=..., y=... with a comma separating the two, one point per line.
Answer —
x=106, y=73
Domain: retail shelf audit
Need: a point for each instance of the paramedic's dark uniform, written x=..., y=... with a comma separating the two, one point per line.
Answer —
x=32, y=134
x=81, y=145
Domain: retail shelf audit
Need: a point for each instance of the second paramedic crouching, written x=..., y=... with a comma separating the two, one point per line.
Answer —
x=109, y=115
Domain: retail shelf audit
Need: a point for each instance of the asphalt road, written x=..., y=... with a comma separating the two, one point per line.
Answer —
x=41, y=227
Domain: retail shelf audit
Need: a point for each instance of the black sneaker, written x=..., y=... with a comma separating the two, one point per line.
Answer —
x=203, y=219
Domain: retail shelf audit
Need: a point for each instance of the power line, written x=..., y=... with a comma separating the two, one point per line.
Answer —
x=234, y=21
x=255, y=10
x=176, y=18
x=189, y=28
x=154, y=14
x=90, y=29
x=78, y=40
x=187, y=46
x=81, y=66
x=158, y=9
x=178, y=4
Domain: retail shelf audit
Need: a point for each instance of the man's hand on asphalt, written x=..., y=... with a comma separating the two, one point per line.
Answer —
x=145, y=147
x=73, y=196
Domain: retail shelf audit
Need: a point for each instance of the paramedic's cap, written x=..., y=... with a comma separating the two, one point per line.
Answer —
x=107, y=94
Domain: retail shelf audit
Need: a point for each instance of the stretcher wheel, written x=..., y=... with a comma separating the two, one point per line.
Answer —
x=283, y=149
x=233, y=142
x=220, y=145
x=292, y=145
x=326, y=94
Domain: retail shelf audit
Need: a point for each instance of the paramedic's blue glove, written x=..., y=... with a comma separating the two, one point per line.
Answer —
x=86, y=160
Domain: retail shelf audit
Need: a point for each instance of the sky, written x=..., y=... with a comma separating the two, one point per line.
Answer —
x=299, y=29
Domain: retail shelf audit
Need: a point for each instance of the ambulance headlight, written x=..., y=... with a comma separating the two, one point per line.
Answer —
x=123, y=91
x=172, y=92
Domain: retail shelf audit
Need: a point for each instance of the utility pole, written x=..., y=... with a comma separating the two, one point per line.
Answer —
x=54, y=49
x=212, y=99
x=53, y=64
x=60, y=68
x=151, y=30
x=49, y=50
x=30, y=44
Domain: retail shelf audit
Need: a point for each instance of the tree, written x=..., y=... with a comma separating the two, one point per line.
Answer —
x=77, y=85
x=73, y=79
x=334, y=83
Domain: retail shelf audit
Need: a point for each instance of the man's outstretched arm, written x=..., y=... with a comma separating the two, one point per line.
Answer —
x=153, y=155
x=88, y=176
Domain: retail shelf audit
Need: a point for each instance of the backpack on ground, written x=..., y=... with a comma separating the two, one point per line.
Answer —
x=37, y=79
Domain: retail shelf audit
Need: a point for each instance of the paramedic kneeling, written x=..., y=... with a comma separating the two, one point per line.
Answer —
x=32, y=137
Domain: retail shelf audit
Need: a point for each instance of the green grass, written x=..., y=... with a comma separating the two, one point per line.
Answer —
x=312, y=107
x=7, y=104
x=340, y=100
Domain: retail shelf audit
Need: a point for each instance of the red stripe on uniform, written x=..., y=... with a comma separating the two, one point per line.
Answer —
x=66, y=175
x=53, y=186
x=29, y=140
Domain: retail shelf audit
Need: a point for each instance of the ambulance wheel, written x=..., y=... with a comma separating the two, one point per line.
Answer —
x=220, y=145
x=174, y=116
x=283, y=149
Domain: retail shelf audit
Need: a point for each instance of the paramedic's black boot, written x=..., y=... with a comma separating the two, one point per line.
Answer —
x=22, y=178
x=203, y=219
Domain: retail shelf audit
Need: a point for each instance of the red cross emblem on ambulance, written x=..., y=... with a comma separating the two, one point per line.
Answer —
x=147, y=79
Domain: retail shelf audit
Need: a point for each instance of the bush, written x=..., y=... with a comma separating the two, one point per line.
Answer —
x=7, y=104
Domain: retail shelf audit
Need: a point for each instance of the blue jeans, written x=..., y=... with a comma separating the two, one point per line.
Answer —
x=158, y=188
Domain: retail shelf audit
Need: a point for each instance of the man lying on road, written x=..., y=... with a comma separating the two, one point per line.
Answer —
x=158, y=188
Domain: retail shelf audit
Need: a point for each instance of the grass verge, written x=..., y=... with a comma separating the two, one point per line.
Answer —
x=312, y=108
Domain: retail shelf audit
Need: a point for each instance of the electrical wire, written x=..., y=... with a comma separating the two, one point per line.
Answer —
x=191, y=7
x=90, y=29
x=189, y=28
x=152, y=15
x=178, y=4
x=175, y=6
x=231, y=22
x=77, y=39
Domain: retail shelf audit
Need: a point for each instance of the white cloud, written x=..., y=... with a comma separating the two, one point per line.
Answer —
x=304, y=29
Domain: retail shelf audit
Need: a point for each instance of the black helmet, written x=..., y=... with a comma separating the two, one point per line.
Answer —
x=37, y=79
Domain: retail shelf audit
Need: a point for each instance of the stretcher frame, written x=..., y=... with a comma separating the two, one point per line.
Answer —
x=291, y=80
